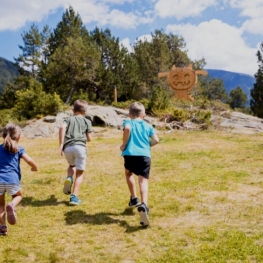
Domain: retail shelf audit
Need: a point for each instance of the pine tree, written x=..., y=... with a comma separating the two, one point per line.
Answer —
x=256, y=102
x=30, y=59
x=237, y=98
x=73, y=58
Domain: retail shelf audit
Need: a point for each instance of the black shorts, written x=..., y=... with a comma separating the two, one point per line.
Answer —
x=139, y=165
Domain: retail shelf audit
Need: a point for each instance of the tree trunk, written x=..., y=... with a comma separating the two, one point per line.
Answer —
x=71, y=90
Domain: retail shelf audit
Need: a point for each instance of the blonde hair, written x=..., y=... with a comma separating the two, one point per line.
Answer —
x=136, y=109
x=11, y=135
x=80, y=106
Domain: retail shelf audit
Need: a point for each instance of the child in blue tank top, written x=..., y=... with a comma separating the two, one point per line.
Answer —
x=138, y=138
x=10, y=174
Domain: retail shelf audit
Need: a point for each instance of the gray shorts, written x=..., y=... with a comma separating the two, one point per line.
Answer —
x=76, y=155
x=11, y=189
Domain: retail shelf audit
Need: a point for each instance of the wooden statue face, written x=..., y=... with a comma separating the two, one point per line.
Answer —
x=182, y=78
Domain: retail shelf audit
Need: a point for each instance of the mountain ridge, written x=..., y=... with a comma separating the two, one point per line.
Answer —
x=233, y=80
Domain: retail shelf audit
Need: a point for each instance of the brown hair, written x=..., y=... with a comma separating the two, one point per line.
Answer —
x=136, y=109
x=11, y=135
x=80, y=106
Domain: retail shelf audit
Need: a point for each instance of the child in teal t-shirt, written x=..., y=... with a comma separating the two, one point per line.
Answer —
x=138, y=138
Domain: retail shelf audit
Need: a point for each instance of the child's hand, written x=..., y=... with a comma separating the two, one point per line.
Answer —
x=34, y=169
x=122, y=147
x=60, y=151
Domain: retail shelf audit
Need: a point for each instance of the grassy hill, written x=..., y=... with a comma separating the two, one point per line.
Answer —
x=7, y=72
x=205, y=204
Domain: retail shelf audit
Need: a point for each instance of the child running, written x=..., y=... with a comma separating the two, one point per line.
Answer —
x=138, y=138
x=10, y=174
x=73, y=135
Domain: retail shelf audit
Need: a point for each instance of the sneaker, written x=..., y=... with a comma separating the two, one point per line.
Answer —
x=74, y=200
x=11, y=213
x=67, y=185
x=134, y=202
x=143, y=211
x=3, y=230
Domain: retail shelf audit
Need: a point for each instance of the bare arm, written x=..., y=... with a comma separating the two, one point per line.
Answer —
x=61, y=134
x=30, y=162
x=125, y=138
x=154, y=140
x=88, y=135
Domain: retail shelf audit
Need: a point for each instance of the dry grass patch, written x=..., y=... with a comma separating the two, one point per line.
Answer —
x=205, y=204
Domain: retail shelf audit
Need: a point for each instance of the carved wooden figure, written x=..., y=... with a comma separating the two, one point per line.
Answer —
x=182, y=80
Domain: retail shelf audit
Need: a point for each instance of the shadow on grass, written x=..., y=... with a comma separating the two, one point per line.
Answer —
x=51, y=201
x=81, y=217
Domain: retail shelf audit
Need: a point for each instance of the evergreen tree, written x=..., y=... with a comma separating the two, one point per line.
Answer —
x=73, y=58
x=30, y=59
x=70, y=65
x=211, y=89
x=71, y=26
x=116, y=67
x=237, y=98
x=256, y=102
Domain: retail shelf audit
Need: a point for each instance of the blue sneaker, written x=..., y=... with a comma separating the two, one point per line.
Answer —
x=74, y=200
x=143, y=211
x=67, y=185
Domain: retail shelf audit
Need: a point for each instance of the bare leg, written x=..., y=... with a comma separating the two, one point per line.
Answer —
x=2, y=210
x=131, y=183
x=78, y=181
x=71, y=171
x=143, y=184
x=10, y=208
x=16, y=199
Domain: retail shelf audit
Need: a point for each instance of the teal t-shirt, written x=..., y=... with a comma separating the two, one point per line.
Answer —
x=139, y=140
x=77, y=127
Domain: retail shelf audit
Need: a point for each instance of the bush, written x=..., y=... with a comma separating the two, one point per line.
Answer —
x=159, y=99
x=34, y=101
x=81, y=95
x=7, y=115
x=202, y=116
x=180, y=115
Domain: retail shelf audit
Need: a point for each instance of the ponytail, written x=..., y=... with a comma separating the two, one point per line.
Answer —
x=11, y=135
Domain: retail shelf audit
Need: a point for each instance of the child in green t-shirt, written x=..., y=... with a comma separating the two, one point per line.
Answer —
x=73, y=135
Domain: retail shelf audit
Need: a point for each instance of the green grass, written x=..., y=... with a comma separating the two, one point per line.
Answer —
x=206, y=204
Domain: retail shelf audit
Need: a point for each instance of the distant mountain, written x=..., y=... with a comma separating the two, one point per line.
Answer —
x=233, y=80
x=8, y=71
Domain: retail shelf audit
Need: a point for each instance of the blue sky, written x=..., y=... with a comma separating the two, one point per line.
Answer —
x=227, y=33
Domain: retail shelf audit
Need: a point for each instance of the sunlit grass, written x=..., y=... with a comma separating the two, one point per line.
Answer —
x=206, y=204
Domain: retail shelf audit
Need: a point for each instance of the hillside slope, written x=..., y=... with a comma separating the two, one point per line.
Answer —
x=8, y=71
x=233, y=80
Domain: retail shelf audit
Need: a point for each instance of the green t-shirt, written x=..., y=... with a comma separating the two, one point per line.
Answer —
x=77, y=127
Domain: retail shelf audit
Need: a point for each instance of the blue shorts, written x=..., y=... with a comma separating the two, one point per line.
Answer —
x=139, y=165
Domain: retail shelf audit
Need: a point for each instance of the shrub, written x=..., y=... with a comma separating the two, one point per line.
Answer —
x=34, y=101
x=159, y=99
x=202, y=116
x=180, y=115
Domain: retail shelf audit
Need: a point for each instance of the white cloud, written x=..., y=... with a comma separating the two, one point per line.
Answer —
x=221, y=45
x=253, y=10
x=182, y=8
x=126, y=43
x=145, y=38
x=14, y=14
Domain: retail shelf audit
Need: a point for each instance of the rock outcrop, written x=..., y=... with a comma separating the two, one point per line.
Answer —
x=102, y=117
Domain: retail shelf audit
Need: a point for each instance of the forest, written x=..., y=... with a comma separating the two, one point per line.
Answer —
x=58, y=66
